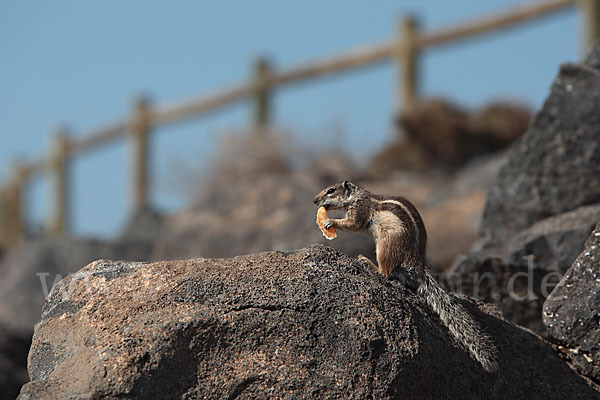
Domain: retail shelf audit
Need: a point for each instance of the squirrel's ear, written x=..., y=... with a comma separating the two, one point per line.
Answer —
x=349, y=186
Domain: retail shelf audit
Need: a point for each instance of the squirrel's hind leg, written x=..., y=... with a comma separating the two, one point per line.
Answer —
x=385, y=256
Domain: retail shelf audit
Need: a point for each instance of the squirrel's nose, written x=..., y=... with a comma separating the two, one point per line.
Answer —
x=316, y=200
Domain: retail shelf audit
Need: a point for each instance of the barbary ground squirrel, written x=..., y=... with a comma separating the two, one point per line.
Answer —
x=401, y=241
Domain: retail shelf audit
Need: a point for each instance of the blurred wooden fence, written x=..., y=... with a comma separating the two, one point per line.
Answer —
x=404, y=49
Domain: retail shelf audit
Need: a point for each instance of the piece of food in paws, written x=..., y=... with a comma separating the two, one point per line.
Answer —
x=321, y=219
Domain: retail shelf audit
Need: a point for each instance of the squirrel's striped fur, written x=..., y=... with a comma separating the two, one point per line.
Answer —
x=401, y=241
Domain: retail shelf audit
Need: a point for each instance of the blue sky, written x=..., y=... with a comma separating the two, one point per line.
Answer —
x=81, y=63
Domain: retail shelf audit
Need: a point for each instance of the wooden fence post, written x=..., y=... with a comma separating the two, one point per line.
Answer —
x=140, y=128
x=11, y=201
x=590, y=10
x=407, y=55
x=262, y=71
x=59, y=162
x=9, y=235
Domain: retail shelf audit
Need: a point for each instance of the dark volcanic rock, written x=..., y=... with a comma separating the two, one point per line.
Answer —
x=556, y=165
x=311, y=323
x=29, y=273
x=517, y=291
x=518, y=277
x=555, y=242
x=551, y=244
x=572, y=311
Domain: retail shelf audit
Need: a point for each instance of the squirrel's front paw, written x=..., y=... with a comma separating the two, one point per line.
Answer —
x=370, y=263
x=328, y=224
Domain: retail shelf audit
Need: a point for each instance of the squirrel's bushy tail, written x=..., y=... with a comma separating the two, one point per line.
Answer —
x=461, y=325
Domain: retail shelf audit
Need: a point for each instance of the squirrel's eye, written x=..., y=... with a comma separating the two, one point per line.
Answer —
x=330, y=191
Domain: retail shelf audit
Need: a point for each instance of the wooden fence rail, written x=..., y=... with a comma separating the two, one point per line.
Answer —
x=405, y=48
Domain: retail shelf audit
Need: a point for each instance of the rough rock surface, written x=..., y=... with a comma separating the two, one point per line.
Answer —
x=516, y=291
x=519, y=277
x=29, y=273
x=554, y=242
x=556, y=165
x=311, y=323
x=572, y=311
